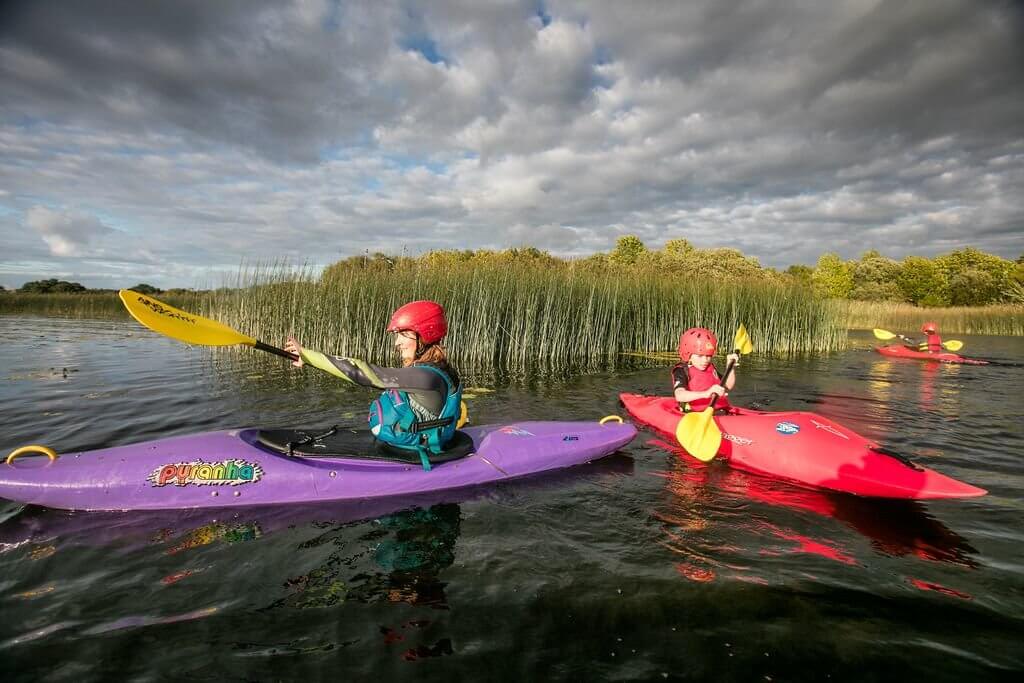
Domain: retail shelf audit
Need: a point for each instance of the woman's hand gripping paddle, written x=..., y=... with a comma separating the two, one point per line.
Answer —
x=697, y=432
x=188, y=327
x=885, y=335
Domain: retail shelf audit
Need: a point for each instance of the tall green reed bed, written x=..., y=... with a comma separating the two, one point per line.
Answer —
x=70, y=305
x=522, y=318
x=98, y=305
x=907, y=319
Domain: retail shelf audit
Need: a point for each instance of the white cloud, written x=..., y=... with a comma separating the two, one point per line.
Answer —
x=66, y=233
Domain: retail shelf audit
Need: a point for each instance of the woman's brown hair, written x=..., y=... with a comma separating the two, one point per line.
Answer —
x=433, y=354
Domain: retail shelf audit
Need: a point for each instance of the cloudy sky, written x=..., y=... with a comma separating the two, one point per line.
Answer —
x=168, y=142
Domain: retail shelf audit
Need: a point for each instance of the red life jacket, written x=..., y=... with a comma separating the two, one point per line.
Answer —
x=934, y=343
x=702, y=380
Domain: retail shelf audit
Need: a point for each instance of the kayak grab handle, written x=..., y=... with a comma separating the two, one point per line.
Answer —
x=42, y=450
x=609, y=418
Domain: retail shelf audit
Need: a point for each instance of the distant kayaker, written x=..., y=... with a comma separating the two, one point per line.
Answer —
x=695, y=378
x=422, y=401
x=932, y=342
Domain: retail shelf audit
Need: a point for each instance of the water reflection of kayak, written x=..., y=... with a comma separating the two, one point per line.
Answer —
x=896, y=528
x=178, y=530
x=808, y=449
x=246, y=467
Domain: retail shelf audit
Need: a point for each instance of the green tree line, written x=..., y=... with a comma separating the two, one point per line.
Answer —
x=965, y=277
x=55, y=286
x=678, y=259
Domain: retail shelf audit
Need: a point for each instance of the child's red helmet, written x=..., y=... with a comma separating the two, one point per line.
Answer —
x=699, y=340
x=929, y=328
x=425, y=318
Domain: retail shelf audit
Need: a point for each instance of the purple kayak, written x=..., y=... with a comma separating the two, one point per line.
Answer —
x=132, y=530
x=253, y=467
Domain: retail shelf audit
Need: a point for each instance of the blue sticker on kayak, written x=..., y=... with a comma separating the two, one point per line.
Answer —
x=787, y=428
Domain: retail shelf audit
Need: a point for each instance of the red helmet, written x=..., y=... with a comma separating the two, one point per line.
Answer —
x=929, y=328
x=699, y=340
x=425, y=318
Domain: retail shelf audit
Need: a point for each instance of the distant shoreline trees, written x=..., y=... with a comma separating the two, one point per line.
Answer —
x=55, y=286
x=965, y=277
x=51, y=286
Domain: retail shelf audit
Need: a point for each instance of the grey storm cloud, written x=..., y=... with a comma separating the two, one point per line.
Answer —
x=186, y=136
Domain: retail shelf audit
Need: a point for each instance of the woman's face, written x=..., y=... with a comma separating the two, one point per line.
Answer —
x=405, y=342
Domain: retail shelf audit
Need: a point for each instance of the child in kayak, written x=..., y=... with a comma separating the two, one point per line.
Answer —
x=932, y=342
x=422, y=401
x=695, y=378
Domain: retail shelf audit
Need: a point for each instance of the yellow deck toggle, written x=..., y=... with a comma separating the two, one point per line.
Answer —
x=42, y=450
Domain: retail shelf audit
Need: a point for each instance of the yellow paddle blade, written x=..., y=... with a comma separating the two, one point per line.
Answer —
x=463, y=415
x=699, y=434
x=178, y=324
x=953, y=345
x=883, y=334
x=742, y=341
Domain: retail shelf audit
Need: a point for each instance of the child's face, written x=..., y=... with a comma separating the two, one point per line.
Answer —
x=699, y=361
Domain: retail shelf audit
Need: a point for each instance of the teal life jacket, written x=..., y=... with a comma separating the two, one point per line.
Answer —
x=393, y=421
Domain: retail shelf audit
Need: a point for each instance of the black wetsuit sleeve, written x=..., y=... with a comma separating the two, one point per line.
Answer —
x=680, y=377
x=425, y=386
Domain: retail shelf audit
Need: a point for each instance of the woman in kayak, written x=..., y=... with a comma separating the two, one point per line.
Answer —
x=695, y=378
x=422, y=401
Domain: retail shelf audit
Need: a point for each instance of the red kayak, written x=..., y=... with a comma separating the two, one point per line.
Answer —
x=901, y=351
x=808, y=449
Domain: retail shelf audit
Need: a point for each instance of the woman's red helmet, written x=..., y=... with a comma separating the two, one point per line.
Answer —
x=425, y=318
x=929, y=328
x=699, y=340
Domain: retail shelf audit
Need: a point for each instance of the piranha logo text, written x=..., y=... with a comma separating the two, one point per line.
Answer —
x=227, y=472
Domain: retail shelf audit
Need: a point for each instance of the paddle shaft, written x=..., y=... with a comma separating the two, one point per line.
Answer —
x=274, y=350
x=725, y=378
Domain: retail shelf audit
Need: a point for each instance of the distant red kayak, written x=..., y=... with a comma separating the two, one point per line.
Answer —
x=901, y=351
x=808, y=449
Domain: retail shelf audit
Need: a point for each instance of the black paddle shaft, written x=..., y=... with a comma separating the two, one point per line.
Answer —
x=274, y=350
x=725, y=378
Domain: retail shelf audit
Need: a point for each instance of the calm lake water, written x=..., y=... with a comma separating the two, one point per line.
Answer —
x=641, y=566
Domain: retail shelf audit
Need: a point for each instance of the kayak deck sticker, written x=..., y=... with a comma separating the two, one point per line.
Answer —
x=229, y=472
